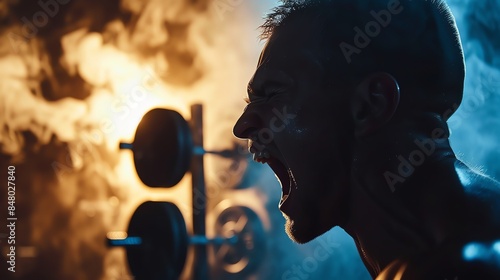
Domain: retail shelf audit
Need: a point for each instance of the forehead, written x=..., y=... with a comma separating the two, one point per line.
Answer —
x=297, y=37
x=289, y=54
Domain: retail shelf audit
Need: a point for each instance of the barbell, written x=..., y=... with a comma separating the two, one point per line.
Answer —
x=163, y=148
x=157, y=241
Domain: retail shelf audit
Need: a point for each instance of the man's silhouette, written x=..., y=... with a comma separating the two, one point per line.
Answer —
x=348, y=106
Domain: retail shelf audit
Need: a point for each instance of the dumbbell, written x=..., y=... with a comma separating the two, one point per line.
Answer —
x=163, y=148
x=157, y=241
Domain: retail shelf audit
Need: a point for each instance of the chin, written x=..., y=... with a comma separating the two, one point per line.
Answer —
x=302, y=233
x=311, y=217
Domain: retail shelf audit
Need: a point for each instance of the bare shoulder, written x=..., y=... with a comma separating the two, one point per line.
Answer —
x=473, y=251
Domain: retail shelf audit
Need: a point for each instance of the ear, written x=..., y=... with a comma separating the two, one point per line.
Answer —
x=374, y=102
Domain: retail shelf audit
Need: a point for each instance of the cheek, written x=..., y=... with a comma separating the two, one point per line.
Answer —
x=318, y=153
x=312, y=135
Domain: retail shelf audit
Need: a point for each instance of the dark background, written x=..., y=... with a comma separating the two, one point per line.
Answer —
x=73, y=86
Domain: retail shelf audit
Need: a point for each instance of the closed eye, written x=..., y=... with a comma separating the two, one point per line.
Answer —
x=266, y=98
x=271, y=95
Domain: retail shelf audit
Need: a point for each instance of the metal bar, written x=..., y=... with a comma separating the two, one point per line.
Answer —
x=125, y=242
x=224, y=153
x=126, y=146
x=218, y=240
x=200, y=265
x=198, y=151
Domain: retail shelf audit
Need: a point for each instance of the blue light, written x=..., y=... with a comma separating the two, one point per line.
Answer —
x=471, y=251
x=496, y=247
x=464, y=178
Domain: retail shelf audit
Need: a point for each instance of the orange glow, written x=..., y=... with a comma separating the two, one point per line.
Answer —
x=74, y=168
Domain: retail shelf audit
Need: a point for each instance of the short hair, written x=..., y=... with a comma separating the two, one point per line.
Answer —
x=419, y=45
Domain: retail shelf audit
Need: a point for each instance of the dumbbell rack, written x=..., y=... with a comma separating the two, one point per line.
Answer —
x=200, y=263
x=166, y=146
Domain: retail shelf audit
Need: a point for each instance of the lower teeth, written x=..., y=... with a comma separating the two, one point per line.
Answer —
x=292, y=179
x=283, y=199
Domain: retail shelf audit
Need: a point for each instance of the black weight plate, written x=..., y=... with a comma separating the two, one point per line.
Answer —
x=163, y=148
x=243, y=257
x=162, y=254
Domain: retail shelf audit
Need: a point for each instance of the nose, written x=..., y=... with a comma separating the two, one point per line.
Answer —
x=246, y=125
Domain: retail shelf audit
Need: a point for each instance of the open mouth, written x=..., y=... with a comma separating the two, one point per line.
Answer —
x=284, y=174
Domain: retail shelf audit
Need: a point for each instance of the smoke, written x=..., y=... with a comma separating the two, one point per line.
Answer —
x=475, y=126
x=77, y=76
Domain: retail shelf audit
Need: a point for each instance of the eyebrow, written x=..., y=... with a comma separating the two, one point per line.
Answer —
x=278, y=78
x=273, y=79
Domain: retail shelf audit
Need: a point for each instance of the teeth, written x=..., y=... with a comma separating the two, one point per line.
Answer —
x=292, y=183
x=261, y=156
x=285, y=196
x=292, y=179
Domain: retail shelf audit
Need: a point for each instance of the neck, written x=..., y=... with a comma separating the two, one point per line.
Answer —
x=398, y=208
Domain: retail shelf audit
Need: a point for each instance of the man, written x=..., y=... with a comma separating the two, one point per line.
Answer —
x=348, y=106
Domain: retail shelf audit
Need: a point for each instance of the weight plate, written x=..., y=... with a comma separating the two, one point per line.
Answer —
x=163, y=252
x=163, y=148
x=244, y=256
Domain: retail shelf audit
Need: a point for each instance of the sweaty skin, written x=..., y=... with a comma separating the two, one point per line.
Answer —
x=330, y=145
